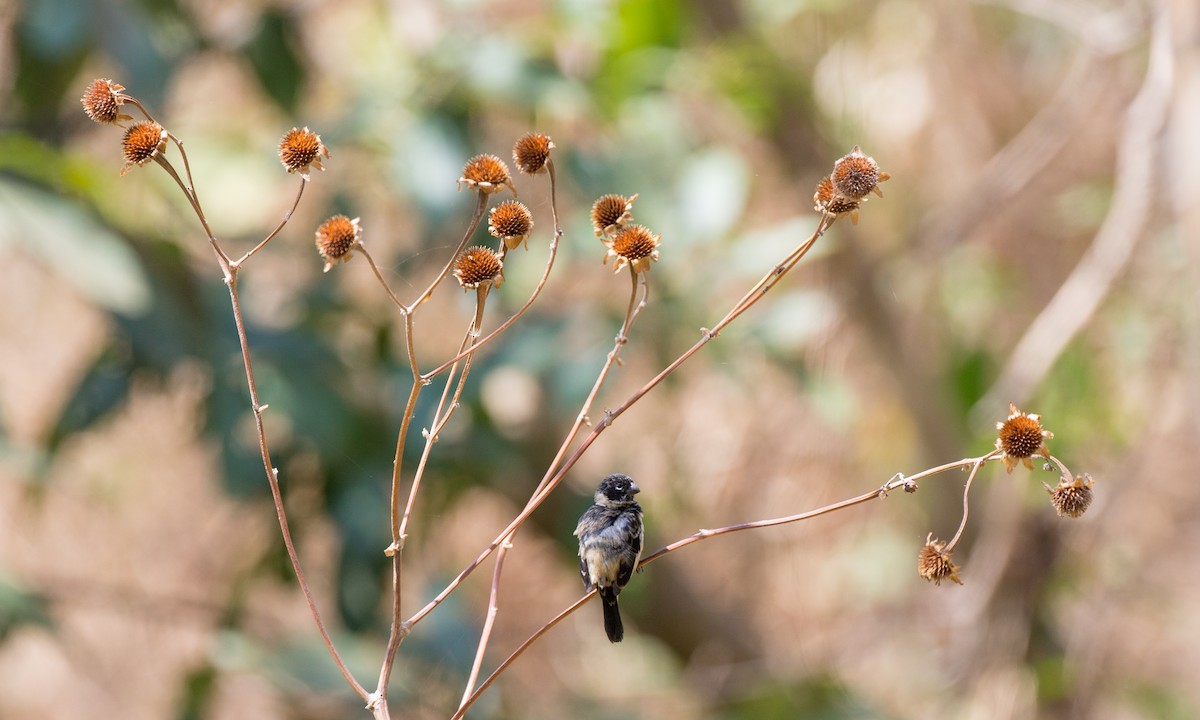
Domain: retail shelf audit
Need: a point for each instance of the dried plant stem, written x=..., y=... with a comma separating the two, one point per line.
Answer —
x=751, y=297
x=639, y=282
x=897, y=481
x=379, y=276
x=273, y=480
x=962, y=524
x=554, y=242
x=481, y=201
x=280, y=226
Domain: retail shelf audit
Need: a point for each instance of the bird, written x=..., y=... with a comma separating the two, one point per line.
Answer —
x=610, y=536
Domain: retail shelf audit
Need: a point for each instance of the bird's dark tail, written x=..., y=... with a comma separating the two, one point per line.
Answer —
x=612, y=615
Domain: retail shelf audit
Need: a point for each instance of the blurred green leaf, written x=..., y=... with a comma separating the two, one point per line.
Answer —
x=93, y=259
x=20, y=607
x=272, y=54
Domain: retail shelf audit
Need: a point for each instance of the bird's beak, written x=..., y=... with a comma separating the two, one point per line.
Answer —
x=633, y=488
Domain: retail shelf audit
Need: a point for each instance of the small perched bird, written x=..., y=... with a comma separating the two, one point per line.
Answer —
x=610, y=536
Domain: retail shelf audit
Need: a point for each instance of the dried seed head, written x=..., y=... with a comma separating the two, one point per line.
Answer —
x=479, y=267
x=142, y=142
x=610, y=212
x=486, y=173
x=531, y=152
x=511, y=222
x=336, y=239
x=1072, y=497
x=1021, y=437
x=855, y=175
x=634, y=246
x=824, y=200
x=102, y=101
x=935, y=564
x=300, y=150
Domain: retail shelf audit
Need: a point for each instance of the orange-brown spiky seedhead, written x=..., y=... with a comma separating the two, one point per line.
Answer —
x=142, y=142
x=336, y=239
x=856, y=174
x=531, y=152
x=511, y=222
x=633, y=245
x=1020, y=437
x=824, y=200
x=611, y=212
x=1072, y=497
x=935, y=564
x=486, y=173
x=302, y=150
x=102, y=101
x=478, y=267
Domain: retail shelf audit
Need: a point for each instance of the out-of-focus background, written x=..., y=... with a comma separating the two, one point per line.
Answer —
x=1038, y=243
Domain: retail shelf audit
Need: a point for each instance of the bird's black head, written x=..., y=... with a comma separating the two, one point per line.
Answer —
x=616, y=489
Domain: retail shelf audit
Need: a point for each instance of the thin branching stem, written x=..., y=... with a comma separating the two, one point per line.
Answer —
x=481, y=202
x=379, y=276
x=639, y=282
x=276, y=493
x=287, y=216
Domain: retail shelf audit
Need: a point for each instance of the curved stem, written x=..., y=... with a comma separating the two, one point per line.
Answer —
x=386, y=288
x=276, y=493
x=480, y=205
x=287, y=216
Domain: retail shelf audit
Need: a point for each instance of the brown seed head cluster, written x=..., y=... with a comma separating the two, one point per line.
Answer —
x=1021, y=437
x=824, y=200
x=1072, y=497
x=855, y=175
x=102, y=101
x=479, y=267
x=300, y=150
x=336, y=239
x=610, y=212
x=935, y=564
x=633, y=245
x=531, y=152
x=510, y=221
x=142, y=142
x=486, y=173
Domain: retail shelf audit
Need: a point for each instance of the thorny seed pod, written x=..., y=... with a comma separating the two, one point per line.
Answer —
x=935, y=564
x=1021, y=437
x=300, y=150
x=610, y=212
x=634, y=246
x=1072, y=497
x=855, y=175
x=478, y=267
x=336, y=239
x=102, y=101
x=824, y=200
x=511, y=222
x=142, y=142
x=486, y=173
x=531, y=152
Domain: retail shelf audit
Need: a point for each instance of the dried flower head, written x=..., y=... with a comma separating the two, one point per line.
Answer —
x=1021, y=437
x=634, y=246
x=511, y=222
x=611, y=211
x=142, y=142
x=300, y=150
x=336, y=239
x=935, y=564
x=102, y=101
x=479, y=267
x=855, y=175
x=531, y=152
x=1072, y=497
x=487, y=173
x=824, y=200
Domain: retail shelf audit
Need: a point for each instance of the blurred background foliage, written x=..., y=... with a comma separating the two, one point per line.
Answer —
x=141, y=570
